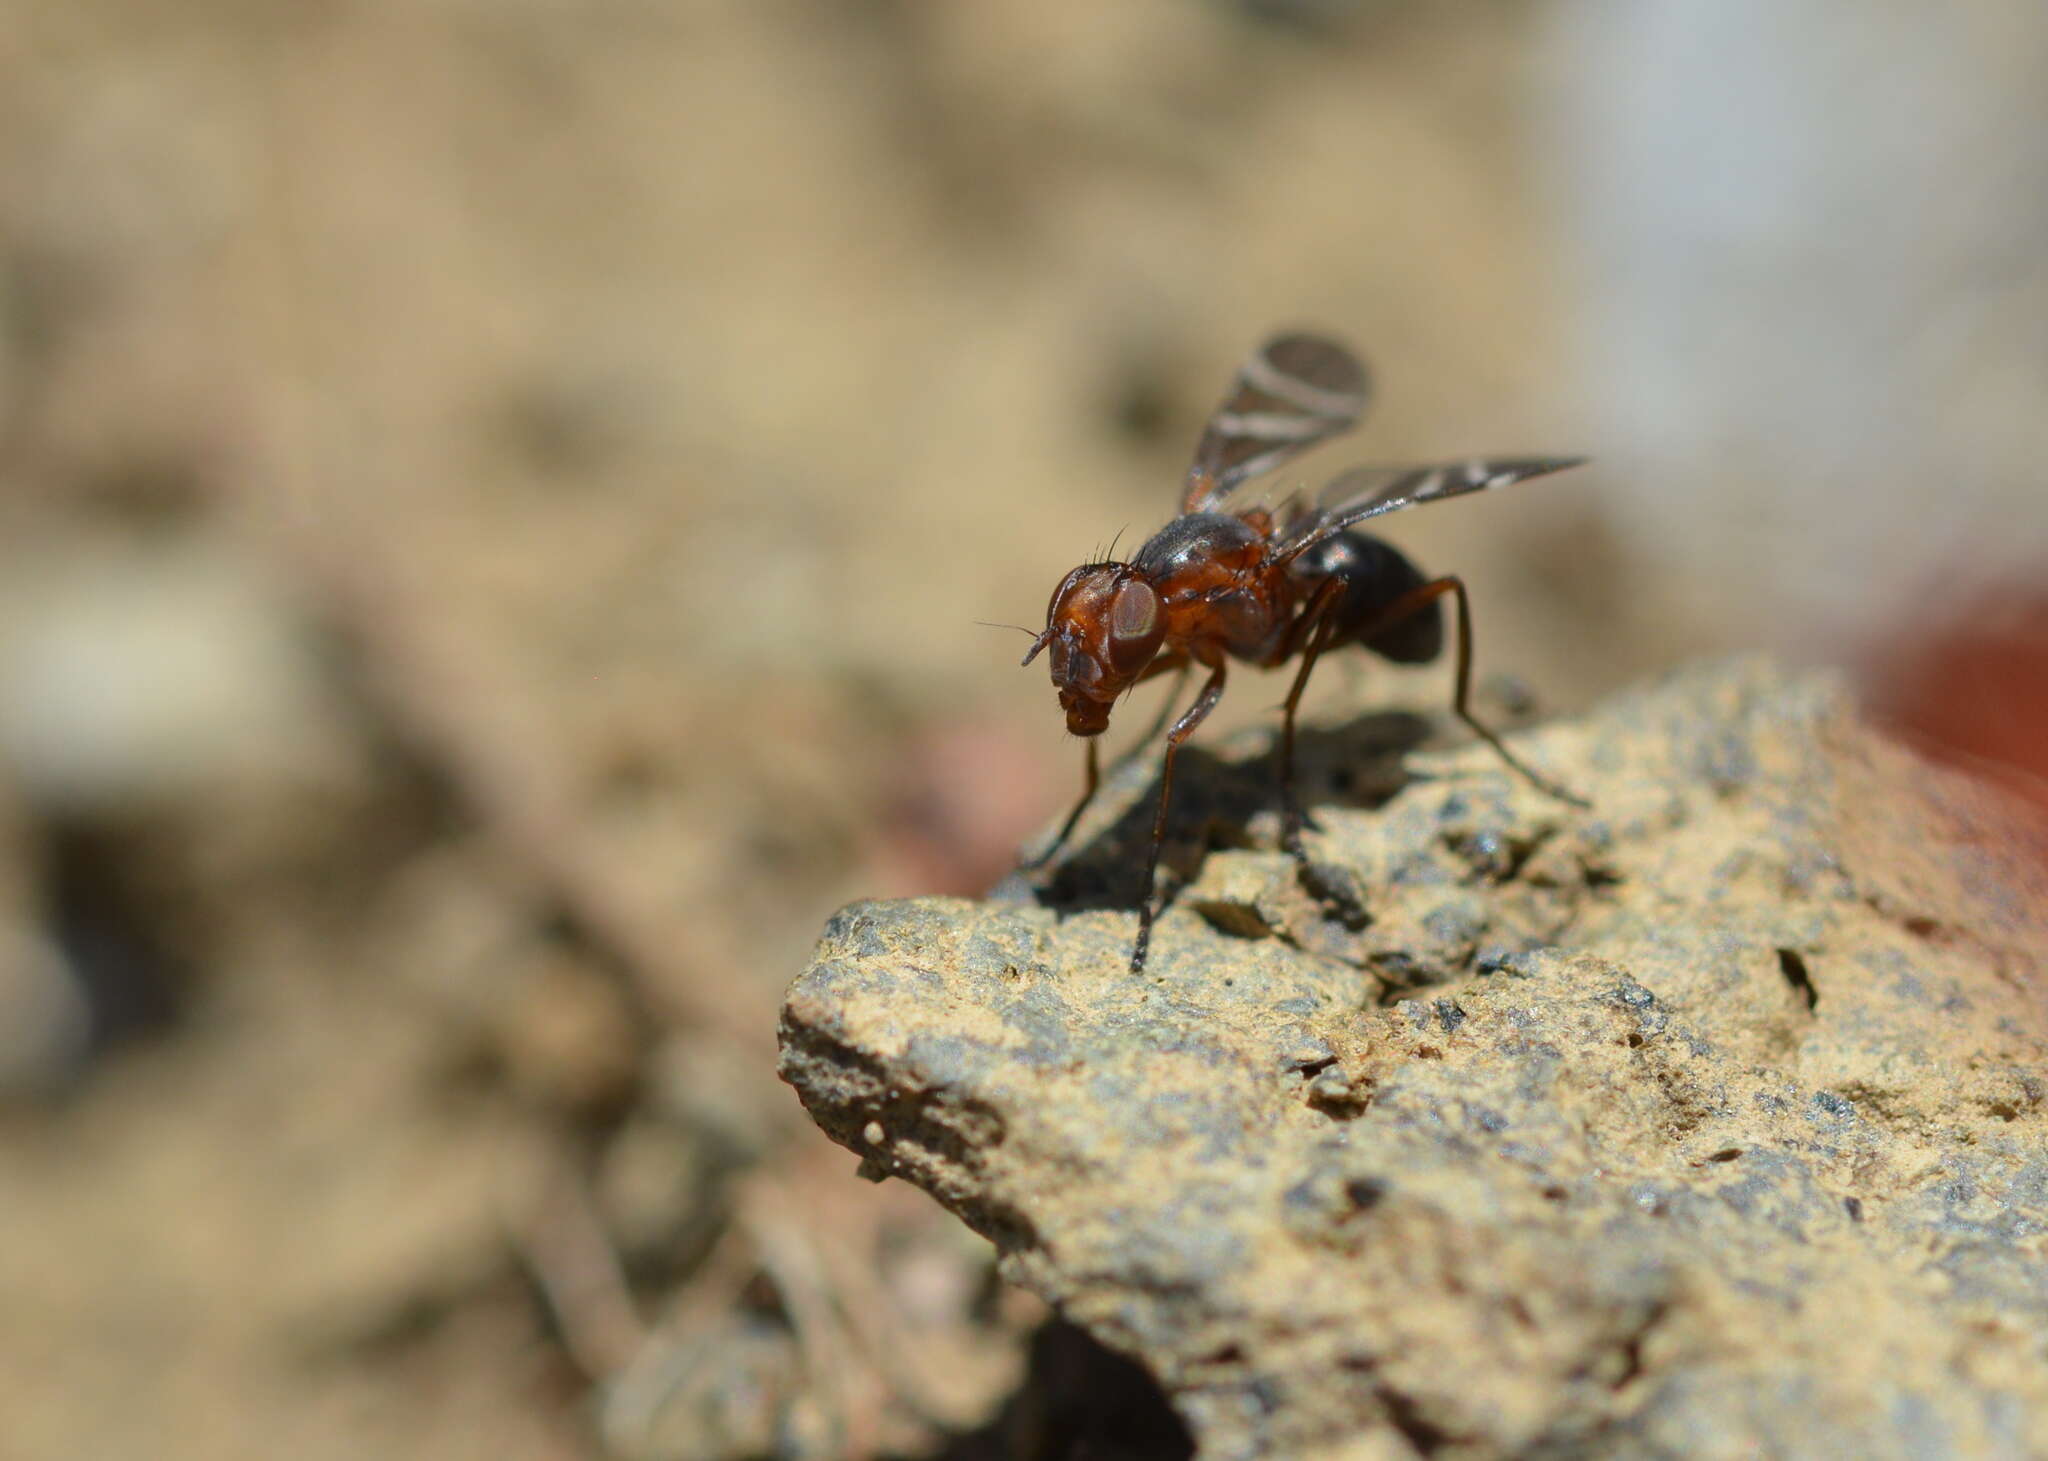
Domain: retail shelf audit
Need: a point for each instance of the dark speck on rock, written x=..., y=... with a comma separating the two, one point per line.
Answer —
x=1364, y=1192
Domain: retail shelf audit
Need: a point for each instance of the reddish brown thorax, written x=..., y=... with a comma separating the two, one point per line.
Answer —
x=1212, y=575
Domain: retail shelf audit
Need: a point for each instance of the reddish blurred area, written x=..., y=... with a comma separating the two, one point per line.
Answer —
x=965, y=793
x=1970, y=686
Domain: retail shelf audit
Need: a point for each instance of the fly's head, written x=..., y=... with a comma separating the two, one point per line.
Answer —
x=1103, y=627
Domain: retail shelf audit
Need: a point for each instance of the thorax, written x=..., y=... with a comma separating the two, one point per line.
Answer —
x=1210, y=572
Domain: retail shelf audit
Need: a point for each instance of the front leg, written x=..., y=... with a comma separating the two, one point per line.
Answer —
x=1094, y=780
x=1182, y=729
x=1176, y=662
x=1165, y=664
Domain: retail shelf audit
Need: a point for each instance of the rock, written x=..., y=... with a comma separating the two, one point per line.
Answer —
x=1708, y=1122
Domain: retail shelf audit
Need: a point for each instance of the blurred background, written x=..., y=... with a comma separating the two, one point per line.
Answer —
x=497, y=505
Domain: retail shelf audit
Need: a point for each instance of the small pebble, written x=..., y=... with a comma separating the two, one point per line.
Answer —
x=873, y=1134
x=1331, y=1085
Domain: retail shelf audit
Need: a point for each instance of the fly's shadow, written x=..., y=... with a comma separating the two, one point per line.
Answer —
x=1218, y=798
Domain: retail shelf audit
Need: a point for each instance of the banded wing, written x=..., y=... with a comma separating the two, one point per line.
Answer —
x=1368, y=492
x=1295, y=391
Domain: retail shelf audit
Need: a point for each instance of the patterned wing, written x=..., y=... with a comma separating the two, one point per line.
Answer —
x=1295, y=391
x=1368, y=492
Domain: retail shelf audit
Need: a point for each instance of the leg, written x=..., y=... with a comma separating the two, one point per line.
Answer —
x=1420, y=598
x=1182, y=729
x=1165, y=706
x=1158, y=667
x=1032, y=864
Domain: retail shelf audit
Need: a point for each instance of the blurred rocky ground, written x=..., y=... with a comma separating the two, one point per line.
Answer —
x=498, y=509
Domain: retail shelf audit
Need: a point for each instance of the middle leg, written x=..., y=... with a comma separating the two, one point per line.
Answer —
x=1312, y=632
x=1182, y=729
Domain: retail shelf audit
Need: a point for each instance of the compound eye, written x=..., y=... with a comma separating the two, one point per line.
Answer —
x=1135, y=627
x=1133, y=613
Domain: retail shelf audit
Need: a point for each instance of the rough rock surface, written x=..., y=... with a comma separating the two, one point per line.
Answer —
x=1709, y=1122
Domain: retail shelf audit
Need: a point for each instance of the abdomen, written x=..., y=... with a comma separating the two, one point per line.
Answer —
x=1375, y=576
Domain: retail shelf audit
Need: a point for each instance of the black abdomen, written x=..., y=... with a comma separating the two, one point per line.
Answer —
x=1376, y=575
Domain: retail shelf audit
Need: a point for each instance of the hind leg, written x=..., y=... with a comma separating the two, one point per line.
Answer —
x=1415, y=601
